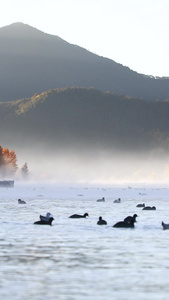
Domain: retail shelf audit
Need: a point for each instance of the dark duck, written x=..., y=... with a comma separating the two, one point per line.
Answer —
x=123, y=224
x=76, y=216
x=140, y=205
x=21, y=201
x=165, y=225
x=149, y=208
x=45, y=222
x=101, y=221
x=130, y=218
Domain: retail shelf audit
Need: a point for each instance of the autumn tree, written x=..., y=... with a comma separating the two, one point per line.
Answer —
x=8, y=162
x=1, y=157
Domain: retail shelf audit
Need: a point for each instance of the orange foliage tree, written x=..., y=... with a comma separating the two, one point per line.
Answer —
x=8, y=162
x=1, y=157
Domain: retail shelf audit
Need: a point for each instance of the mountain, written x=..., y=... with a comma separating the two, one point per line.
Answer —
x=85, y=134
x=80, y=118
x=32, y=62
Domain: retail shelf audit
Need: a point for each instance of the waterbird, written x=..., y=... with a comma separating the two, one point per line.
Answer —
x=165, y=226
x=140, y=205
x=117, y=200
x=130, y=218
x=43, y=222
x=47, y=217
x=76, y=216
x=101, y=200
x=101, y=221
x=149, y=208
x=123, y=224
x=21, y=201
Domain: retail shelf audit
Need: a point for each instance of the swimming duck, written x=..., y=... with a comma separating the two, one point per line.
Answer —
x=101, y=221
x=101, y=200
x=43, y=222
x=21, y=201
x=149, y=208
x=165, y=226
x=117, y=200
x=140, y=205
x=76, y=216
x=47, y=217
x=123, y=224
x=130, y=218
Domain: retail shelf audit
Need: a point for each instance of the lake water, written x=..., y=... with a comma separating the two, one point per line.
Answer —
x=75, y=259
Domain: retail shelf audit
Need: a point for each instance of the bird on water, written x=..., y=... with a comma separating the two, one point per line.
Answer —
x=45, y=222
x=76, y=216
x=101, y=221
x=46, y=218
x=123, y=224
x=130, y=218
x=21, y=201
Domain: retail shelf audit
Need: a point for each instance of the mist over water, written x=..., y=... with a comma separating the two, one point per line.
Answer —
x=77, y=260
x=97, y=166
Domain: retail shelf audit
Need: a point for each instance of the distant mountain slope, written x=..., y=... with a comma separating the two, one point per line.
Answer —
x=84, y=119
x=32, y=62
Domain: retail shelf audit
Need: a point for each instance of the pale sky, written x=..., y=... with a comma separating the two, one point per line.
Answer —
x=134, y=33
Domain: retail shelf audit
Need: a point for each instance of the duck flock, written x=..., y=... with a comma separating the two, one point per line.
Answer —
x=128, y=222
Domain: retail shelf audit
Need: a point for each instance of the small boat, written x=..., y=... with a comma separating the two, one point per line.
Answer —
x=7, y=183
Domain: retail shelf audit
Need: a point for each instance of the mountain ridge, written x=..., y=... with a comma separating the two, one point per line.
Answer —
x=41, y=61
x=87, y=117
x=85, y=133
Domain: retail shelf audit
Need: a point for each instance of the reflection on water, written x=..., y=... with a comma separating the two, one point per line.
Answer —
x=75, y=259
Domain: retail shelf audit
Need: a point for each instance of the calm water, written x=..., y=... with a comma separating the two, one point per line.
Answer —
x=76, y=259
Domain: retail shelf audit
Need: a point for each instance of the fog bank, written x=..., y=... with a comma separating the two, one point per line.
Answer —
x=96, y=167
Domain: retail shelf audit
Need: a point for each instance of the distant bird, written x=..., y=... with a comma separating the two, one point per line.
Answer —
x=101, y=200
x=165, y=226
x=43, y=222
x=131, y=218
x=123, y=224
x=117, y=200
x=47, y=217
x=75, y=216
x=140, y=205
x=21, y=201
x=101, y=221
x=149, y=208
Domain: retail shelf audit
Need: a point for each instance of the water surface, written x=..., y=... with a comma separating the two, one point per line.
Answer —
x=75, y=259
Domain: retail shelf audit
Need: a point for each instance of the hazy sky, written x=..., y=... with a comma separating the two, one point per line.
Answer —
x=131, y=32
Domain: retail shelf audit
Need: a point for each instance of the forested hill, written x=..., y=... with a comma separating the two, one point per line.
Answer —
x=84, y=118
x=32, y=61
